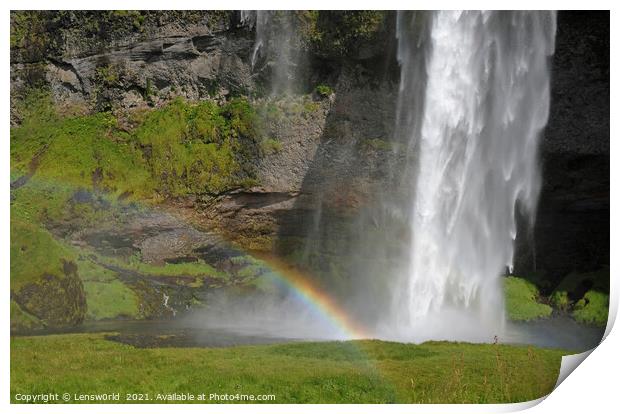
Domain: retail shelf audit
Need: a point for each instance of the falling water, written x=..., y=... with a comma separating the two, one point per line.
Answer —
x=274, y=47
x=485, y=103
x=258, y=20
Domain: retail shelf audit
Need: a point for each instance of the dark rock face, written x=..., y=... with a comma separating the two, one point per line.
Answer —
x=572, y=227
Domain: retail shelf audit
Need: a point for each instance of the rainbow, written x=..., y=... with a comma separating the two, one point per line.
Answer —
x=301, y=285
x=293, y=278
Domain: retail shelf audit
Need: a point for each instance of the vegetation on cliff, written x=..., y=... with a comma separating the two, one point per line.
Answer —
x=83, y=169
x=199, y=148
x=182, y=148
x=342, y=33
x=584, y=296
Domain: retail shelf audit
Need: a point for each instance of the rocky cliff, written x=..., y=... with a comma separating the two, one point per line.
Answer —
x=572, y=228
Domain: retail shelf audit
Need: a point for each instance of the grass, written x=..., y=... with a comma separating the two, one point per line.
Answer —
x=331, y=372
x=198, y=269
x=522, y=300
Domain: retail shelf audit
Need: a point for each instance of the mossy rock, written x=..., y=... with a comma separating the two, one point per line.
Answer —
x=107, y=297
x=22, y=320
x=577, y=284
x=57, y=301
x=323, y=91
x=593, y=308
x=150, y=301
x=522, y=300
x=44, y=277
x=585, y=295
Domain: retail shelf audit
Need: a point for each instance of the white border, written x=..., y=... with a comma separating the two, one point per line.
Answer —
x=591, y=388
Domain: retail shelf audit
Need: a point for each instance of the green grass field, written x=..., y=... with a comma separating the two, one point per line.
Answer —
x=325, y=372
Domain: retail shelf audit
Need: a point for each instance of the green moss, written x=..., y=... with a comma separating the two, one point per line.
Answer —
x=136, y=17
x=311, y=106
x=106, y=296
x=593, y=308
x=87, y=151
x=35, y=110
x=38, y=202
x=44, y=278
x=251, y=271
x=323, y=91
x=521, y=300
x=326, y=372
x=179, y=149
x=109, y=300
x=197, y=148
x=242, y=119
x=34, y=252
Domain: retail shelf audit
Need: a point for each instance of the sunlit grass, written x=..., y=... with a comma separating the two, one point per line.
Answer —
x=328, y=372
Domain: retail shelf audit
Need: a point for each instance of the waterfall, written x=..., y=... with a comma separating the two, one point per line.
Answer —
x=482, y=89
x=275, y=49
x=259, y=20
